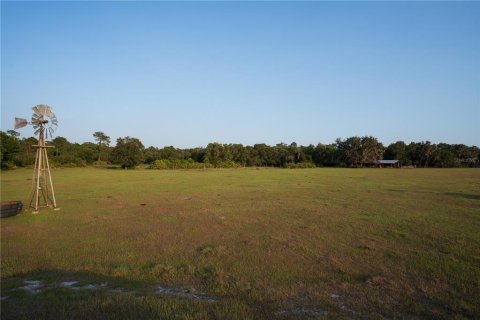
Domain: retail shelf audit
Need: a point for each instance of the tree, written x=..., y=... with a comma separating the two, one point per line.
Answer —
x=356, y=151
x=13, y=133
x=372, y=150
x=397, y=151
x=27, y=152
x=444, y=156
x=87, y=152
x=151, y=154
x=62, y=146
x=101, y=138
x=426, y=151
x=171, y=153
x=220, y=155
x=296, y=153
x=282, y=155
x=9, y=148
x=350, y=150
x=239, y=154
x=264, y=155
x=413, y=153
x=308, y=152
x=103, y=141
x=197, y=154
x=466, y=156
x=326, y=155
x=128, y=152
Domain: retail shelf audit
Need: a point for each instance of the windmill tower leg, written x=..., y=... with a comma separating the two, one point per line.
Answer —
x=42, y=193
x=37, y=171
x=34, y=181
x=54, y=202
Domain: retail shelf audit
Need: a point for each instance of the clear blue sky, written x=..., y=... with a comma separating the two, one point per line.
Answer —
x=190, y=73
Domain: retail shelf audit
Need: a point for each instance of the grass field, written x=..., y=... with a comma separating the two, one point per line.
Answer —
x=245, y=243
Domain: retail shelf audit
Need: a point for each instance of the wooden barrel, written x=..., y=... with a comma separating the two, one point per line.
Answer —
x=10, y=208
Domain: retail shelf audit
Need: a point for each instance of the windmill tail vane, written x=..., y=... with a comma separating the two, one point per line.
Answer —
x=44, y=122
x=20, y=123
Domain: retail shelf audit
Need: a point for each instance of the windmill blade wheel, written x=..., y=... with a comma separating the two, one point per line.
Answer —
x=43, y=112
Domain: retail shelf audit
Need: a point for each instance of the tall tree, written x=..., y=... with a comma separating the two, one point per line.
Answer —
x=216, y=153
x=128, y=152
x=427, y=150
x=372, y=150
x=350, y=150
x=444, y=156
x=171, y=153
x=326, y=155
x=13, y=133
x=397, y=151
x=151, y=154
x=264, y=155
x=282, y=155
x=103, y=142
x=239, y=154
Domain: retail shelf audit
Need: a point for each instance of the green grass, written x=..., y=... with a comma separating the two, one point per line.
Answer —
x=268, y=243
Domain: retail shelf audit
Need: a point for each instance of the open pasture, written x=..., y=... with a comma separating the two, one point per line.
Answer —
x=245, y=243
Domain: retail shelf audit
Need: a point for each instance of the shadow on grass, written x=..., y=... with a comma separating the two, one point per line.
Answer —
x=463, y=195
x=452, y=194
x=55, y=294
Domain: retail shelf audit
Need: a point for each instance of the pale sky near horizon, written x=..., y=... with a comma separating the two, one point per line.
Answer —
x=189, y=73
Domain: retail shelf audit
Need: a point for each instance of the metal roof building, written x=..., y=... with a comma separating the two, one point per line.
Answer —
x=390, y=162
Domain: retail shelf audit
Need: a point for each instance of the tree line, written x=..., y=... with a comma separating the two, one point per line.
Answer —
x=130, y=152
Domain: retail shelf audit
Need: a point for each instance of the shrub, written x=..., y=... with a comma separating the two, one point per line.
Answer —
x=8, y=165
x=74, y=164
x=100, y=163
x=171, y=164
x=301, y=165
x=228, y=164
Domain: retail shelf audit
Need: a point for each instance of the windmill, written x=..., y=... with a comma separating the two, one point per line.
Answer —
x=44, y=123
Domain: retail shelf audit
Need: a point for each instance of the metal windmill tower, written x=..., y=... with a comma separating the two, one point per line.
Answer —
x=44, y=123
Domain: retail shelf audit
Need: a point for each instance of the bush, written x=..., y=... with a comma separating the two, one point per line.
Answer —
x=8, y=165
x=160, y=164
x=170, y=164
x=228, y=164
x=78, y=163
x=100, y=163
x=301, y=165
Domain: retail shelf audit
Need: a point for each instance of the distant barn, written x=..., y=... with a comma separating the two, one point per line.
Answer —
x=388, y=163
x=383, y=164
